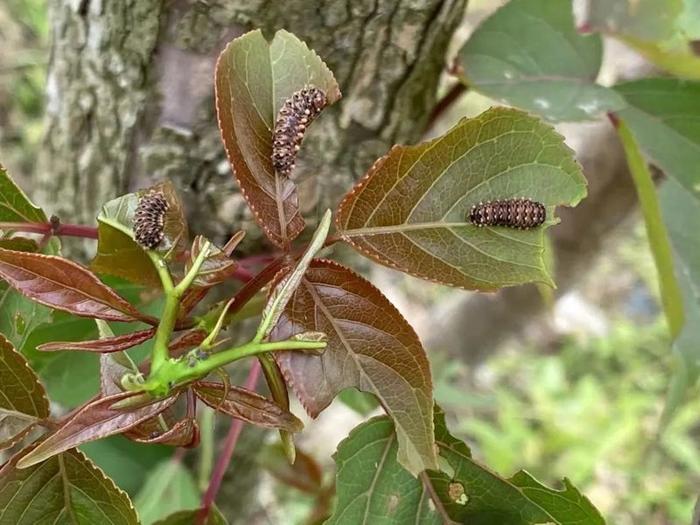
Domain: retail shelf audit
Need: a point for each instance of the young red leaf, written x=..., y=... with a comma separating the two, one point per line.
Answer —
x=370, y=347
x=216, y=268
x=116, y=343
x=93, y=421
x=253, y=79
x=22, y=397
x=64, y=285
x=184, y=433
x=411, y=211
x=246, y=405
x=67, y=488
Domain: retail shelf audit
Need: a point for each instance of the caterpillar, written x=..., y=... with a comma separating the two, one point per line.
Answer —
x=297, y=112
x=149, y=219
x=512, y=213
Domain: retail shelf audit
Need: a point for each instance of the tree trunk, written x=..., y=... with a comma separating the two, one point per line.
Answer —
x=130, y=102
x=130, y=96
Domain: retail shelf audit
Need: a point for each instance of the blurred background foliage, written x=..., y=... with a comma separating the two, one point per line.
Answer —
x=580, y=396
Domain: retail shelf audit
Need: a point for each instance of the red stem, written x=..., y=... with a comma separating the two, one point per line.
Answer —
x=224, y=458
x=445, y=103
x=68, y=230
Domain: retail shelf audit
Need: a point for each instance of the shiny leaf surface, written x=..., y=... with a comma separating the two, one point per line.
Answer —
x=253, y=79
x=64, y=285
x=115, y=343
x=15, y=206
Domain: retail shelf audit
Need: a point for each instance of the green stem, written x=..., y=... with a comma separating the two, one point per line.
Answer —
x=174, y=372
x=171, y=309
x=659, y=243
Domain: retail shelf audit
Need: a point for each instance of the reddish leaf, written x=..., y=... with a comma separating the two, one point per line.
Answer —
x=184, y=433
x=66, y=489
x=253, y=79
x=411, y=211
x=94, y=421
x=22, y=397
x=246, y=405
x=112, y=368
x=186, y=340
x=116, y=343
x=216, y=268
x=370, y=347
x=64, y=285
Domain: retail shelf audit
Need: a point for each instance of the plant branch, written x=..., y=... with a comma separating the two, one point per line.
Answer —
x=456, y=91
x=66, y=230
x=224, y=458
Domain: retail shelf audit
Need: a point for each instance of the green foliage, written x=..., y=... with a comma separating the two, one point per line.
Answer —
x=664, y=115
x=411, y=211
x=589, y=412
x=530, y=55
x=169, y=488
x=68, y=488
x=656, y=230
x=470, y=493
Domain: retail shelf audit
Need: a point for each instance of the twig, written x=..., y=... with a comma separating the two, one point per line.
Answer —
x=444, y=104
x=224, y=458
x=46, y=228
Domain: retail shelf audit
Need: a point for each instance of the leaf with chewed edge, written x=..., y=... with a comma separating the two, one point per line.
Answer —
x=411, y=211
x=373, y=488
x=253, y=79
x=67, y=488
x=23, y=399
x=370, y=346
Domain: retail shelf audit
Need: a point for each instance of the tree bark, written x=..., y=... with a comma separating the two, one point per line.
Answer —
x=130, y=102
x=130, y=97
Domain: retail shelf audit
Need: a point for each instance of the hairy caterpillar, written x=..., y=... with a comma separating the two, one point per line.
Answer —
x=297, y=112
x=149, y=219
x=512, y=213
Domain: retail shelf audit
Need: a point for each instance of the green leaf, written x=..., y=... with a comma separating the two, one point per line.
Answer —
x=126, y=462
x=664, y=115
x=681, y=213
x=118, y=253
x=188, y=517
x=651, y=20
x=64, y=489
x=253, y=79
x=529, y=54
x=372, y=487
x=411, y=210
x=15, y=206
x=370, y=347
x=168, y=488
x=656, y=231
x=22, y=397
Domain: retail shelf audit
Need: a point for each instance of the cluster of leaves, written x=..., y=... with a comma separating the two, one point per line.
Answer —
x=328, y=327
